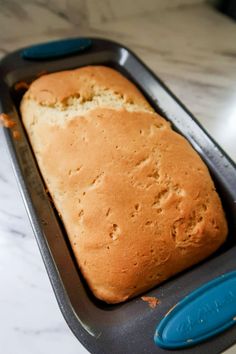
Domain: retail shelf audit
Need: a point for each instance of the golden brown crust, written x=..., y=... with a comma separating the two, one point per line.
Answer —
x=137, y=201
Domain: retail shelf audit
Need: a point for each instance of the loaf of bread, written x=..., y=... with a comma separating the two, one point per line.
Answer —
x=137, y=201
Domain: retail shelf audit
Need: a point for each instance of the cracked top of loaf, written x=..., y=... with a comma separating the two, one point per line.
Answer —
x=137, y=201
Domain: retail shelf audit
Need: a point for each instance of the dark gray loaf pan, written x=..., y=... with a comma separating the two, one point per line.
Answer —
x=128, y=327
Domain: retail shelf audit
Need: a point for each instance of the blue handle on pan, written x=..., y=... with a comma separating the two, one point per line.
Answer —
x=56, y=49
x=205, y=312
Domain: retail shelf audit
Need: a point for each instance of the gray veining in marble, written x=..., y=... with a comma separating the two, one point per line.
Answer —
x=185, y=42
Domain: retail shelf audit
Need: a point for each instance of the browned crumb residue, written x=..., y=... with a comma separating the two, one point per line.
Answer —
x=41, y=73
x=21, y=85
x=16, y=134
x=7, y=121
x=152, y=301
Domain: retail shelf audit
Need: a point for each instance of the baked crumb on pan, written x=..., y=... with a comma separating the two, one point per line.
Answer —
x=16, y=134
x=151, y=300
x=21, y=85
x=7, y=121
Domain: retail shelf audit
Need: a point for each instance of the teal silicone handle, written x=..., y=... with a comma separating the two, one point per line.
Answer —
x=202, y=314
x=56, y=49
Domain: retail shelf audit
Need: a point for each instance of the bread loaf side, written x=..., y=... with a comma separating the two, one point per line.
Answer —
x=137, y=201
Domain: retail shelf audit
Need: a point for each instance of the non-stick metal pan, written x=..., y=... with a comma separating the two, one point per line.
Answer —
x=127, y=327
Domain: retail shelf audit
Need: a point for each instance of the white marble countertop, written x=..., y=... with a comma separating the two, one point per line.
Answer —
x=191, y=47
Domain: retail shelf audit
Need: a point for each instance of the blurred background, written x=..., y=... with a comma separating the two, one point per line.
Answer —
x=189, y=44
